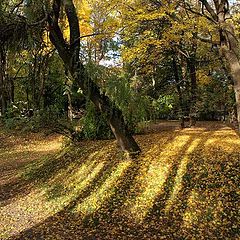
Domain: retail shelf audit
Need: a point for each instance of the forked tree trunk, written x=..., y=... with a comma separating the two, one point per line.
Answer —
x=70, y=56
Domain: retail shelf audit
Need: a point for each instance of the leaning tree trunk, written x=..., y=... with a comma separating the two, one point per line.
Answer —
x=70, y=56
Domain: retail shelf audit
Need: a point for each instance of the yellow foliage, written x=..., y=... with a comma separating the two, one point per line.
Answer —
x=203, y=78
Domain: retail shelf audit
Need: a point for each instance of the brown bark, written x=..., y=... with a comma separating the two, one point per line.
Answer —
x=3, y=93
x=178, y=87
x=193, y=78
x=70, y=56
x=228, y=44
x=234, y=67
x=229, y=49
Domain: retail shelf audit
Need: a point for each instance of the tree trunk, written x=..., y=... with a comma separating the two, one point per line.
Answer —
x=11, y=89
x=229, y=50
x=193, y=78
x=70, y=56
x=180, y=97
x=234, y=67
x=68, y=93
x=3, y=95
x=113, y=115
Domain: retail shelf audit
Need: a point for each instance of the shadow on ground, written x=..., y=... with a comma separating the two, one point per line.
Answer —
x=183, y=186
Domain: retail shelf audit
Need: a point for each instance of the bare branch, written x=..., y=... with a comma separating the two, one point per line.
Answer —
x=190, y=9
x=16, y=6
x=209, y=9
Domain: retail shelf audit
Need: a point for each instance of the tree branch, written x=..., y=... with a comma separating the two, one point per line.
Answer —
x=74, y=27
x=56, y=35
x=189, y=8
x=16, y=6
x=209, y=9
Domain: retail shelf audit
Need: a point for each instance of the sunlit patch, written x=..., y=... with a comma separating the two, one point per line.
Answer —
x=233, y=141
x=224, y=143
x=185, y=179
x=40, y=147
x=190, y=216
x=53, y=144
x=97, y=198
x=204, y=210
x=73, y=172
x=180, y=173
x=35, y=208
x=226, y=132
x=79, y=174
x=153, y=179
x=79, y=184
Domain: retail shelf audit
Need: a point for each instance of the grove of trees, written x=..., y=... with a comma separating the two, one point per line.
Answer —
x=98, y=69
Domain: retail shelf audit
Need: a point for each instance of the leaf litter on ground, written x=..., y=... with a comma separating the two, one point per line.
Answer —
x=184, y=185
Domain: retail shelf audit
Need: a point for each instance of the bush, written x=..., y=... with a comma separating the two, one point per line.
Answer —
x=94, y=124
x=19, y=118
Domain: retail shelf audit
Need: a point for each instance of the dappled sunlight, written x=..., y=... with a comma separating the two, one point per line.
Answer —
x=52, y=196
x=223, y=143
x=180, y=173
x=40, y=147
x=79, y=184
x=235, y=141
x=190, y=216
x=205, y=211
x=34, y=209
x=226, y=132
x=36, y=206
x=151, y=182
x=75, y=184
x=105, y=191
x=182, y=184
x=75, y=173
x=25, y=152
x=79, y=174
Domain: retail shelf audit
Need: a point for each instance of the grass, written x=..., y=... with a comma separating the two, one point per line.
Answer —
x=184, y=185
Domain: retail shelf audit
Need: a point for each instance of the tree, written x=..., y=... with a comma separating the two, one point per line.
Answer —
x=69, y=52
x=162, y=29
x=219, y=15
x=11, y=34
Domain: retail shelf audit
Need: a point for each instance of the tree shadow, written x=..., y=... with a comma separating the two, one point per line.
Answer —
x=71, y=219
x=205, y=207
x=21, y=185
x=39, y=172
x=158, y=222
x=97, y=223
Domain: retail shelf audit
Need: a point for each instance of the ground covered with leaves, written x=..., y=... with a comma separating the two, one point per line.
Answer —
x=184, y=185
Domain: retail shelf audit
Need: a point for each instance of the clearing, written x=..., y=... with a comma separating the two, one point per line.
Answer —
x=184, y=185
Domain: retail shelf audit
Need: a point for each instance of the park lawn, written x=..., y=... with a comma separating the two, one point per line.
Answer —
x=184, y=185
